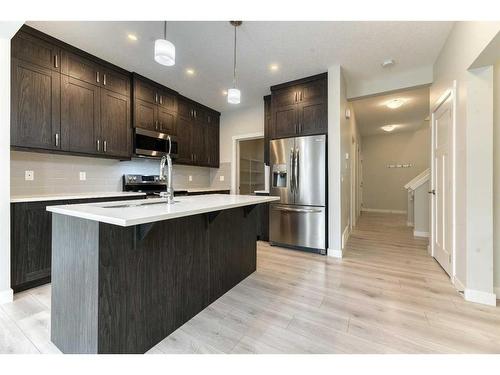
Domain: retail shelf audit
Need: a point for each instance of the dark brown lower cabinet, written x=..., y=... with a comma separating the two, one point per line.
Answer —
x=31, y=239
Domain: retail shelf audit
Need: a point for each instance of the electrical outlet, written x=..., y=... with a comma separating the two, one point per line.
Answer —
x=29, y=175
x=83, y=176
x=190, y=178
x=221, y=178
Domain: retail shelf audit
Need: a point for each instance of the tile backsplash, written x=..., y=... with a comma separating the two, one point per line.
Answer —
x=60, y=174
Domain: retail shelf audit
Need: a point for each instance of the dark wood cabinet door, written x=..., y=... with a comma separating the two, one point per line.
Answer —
x=285, y=97
x=83, y=69
x=167, y=100
x=212, y=142
x=145, y=92
x=184, y=130
x=37, y=51
x=284, y=121
x=312, y=108
x=80, y=116
x=166, y=121
x=145, y=115
x=115, y=124
x=35, y=106
x=267, y=127
x=198, y=136
x=184, y=108
x=117, y=82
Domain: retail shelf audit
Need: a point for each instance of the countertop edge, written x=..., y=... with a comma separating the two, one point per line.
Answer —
x=62, y=197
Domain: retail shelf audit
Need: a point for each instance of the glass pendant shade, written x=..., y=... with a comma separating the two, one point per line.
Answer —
x=233, y=96
x=164, y=52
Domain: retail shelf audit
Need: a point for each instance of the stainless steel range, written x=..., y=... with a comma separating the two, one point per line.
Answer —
x=149, y=184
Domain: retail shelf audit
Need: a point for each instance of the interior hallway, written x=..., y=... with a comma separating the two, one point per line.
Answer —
x=386, y=296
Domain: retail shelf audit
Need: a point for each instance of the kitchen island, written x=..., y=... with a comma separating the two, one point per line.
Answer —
x=127, y=274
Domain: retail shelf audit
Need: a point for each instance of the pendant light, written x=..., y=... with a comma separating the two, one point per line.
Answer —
x=233, y=94
x=164, y=50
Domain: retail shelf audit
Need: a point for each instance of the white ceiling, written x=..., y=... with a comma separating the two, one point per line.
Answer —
x=300, y=49
x=372, y=113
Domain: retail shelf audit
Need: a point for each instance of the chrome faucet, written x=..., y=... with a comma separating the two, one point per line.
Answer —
x=167, y=160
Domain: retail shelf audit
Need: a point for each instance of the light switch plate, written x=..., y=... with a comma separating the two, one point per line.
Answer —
x=221, y=178
x=29, y=175
x=83, y=176
x=190, y=178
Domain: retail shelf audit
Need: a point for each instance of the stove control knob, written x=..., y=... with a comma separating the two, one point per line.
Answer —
x=134, y=178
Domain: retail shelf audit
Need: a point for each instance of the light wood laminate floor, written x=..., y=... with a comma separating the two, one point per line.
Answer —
x=386, y=296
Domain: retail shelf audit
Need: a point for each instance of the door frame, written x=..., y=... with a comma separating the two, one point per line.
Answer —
x=449, y=93
x=235, y=157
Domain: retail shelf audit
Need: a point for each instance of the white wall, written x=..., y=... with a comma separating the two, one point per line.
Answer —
x=496, y=177
x=465, y=42
x=239, y=122
x=7, y=30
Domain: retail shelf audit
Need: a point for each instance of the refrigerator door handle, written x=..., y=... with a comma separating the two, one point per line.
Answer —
x=296, y=171
x=292, y=167
x=302, y=210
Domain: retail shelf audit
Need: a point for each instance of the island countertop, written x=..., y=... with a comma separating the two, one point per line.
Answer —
x=128, y=213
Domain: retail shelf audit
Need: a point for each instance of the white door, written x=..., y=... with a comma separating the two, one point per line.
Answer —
x=442, y=136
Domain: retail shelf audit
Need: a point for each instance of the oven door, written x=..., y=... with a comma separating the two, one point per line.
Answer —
x=149, y=143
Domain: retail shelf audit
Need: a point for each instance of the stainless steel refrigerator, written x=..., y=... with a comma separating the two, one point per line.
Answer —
x=298, y=177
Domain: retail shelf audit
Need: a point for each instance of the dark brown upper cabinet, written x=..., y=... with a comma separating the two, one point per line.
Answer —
x=155, y=106
x=267, y=125
x=299, y=107
x=66, y=100
x=35, y=106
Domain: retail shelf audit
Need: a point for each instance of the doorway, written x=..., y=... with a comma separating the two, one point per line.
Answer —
x=251, y=176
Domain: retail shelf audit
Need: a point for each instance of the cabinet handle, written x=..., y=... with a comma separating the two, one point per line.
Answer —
x=156, y=97
x=161, y=99
x=301, y=95
x=105, y=146
x=104, y=79
x=195, y=113
x=98, y=142
x=57, y=139
x=56, y=63
x=295, y=97
x=97, y=77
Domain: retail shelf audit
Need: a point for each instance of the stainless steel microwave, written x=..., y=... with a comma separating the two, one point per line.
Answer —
x=148, y=143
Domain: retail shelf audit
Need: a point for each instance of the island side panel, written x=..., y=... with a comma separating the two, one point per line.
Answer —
x=233, y=248
x=74, y=284
x=152, y=279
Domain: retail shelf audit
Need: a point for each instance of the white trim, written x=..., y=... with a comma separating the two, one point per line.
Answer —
x=458, y=284
x=335, y=253
x=410, y=223
x=417, y=233
x=6, y=296
x=479, y=296
x=496, y=289
x=383, y=211
x=345, y=236
x=419, y=180
x=234, y=155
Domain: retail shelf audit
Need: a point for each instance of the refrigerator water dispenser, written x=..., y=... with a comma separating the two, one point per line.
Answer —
x=279, y=176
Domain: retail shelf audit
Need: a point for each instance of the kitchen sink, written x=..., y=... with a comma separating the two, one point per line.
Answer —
x=127, y=205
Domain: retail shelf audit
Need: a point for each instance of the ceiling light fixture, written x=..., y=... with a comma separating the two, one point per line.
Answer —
x=274, y=67
x=164, y=50
x=387, y=63
x=395, y=103
x=132, y=37
x=389, y=128
x=190, y=72
x=224, y=92
x=233, y=94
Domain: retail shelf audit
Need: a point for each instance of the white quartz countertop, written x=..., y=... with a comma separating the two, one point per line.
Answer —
x=261, y=191
x=127, y=213
x=56, y=197
x=201, y=190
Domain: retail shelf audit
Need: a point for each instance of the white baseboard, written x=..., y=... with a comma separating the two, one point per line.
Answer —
x=496, y=289
x=383, y=211
x=345, y=236
x=409, y=224
x=458, y=284
x=335, y=253
x=6, y=296
x=417, y=233
x=479, y=296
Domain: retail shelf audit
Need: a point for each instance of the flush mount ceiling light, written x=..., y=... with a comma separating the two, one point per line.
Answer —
x=389, y=128
x=132, y=37
x=274, y=67
x=233, y=94
x=190, y=72
x=395, y=103
x=387, y=63
x=164, y=50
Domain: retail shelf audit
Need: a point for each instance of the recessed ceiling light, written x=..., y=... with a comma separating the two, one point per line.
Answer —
x=395, y=103
x=132, y=37
x=190, y=72
x=389, y=128
x=387, y=63
x=274, y=67
x=224, y=92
